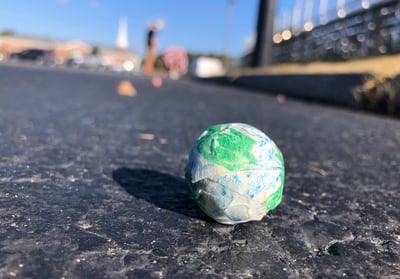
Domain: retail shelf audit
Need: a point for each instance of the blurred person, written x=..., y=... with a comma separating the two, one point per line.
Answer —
x=151, y=48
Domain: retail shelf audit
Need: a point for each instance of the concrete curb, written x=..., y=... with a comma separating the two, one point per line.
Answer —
x=335, y=89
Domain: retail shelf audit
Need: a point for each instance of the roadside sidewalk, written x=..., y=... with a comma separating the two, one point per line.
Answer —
x=363, y=91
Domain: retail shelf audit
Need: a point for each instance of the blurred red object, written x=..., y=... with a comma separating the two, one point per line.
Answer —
x=156, y=81
x=281, y=98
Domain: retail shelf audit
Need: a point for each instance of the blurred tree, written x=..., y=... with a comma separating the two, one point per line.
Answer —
x=225, y=60
x=7, y=32
x=95, y=50
x=159, y=63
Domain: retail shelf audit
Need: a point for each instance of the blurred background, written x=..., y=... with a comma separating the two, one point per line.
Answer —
x=218, y=36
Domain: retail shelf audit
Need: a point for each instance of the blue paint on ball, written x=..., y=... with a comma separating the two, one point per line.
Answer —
x=242, y=195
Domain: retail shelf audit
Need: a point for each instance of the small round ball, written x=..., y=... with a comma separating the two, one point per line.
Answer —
x=236, y=173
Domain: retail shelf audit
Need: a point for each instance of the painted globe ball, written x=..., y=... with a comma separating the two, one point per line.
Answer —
x=236, y=173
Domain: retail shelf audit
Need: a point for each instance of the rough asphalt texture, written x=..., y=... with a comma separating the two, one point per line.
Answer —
x=91, y=183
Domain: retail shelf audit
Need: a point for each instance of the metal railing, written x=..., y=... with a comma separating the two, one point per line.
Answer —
x=352, y=29
x=365, y=32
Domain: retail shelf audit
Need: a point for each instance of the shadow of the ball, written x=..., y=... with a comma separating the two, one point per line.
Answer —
x=160, y=189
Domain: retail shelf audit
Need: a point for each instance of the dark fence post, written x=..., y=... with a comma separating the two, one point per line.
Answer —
x=262, y=54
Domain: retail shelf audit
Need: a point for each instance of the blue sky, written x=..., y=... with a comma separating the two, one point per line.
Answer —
x=199, y=26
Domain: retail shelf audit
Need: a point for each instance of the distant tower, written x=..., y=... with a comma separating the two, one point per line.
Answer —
x=122, y=37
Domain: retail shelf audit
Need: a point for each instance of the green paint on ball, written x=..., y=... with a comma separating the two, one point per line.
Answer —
x=210, y=130
x=227, y=147
x=193, y=186
x=272, y=201
x=188, y=176
x=201, y=200
x=239, y=158
x=279, y=155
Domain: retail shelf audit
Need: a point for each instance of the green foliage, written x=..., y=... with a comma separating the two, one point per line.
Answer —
x=7, y=32
x=159, y=63
x=95, y=50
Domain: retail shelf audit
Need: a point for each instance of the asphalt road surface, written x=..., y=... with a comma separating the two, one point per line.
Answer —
x=91, y=183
